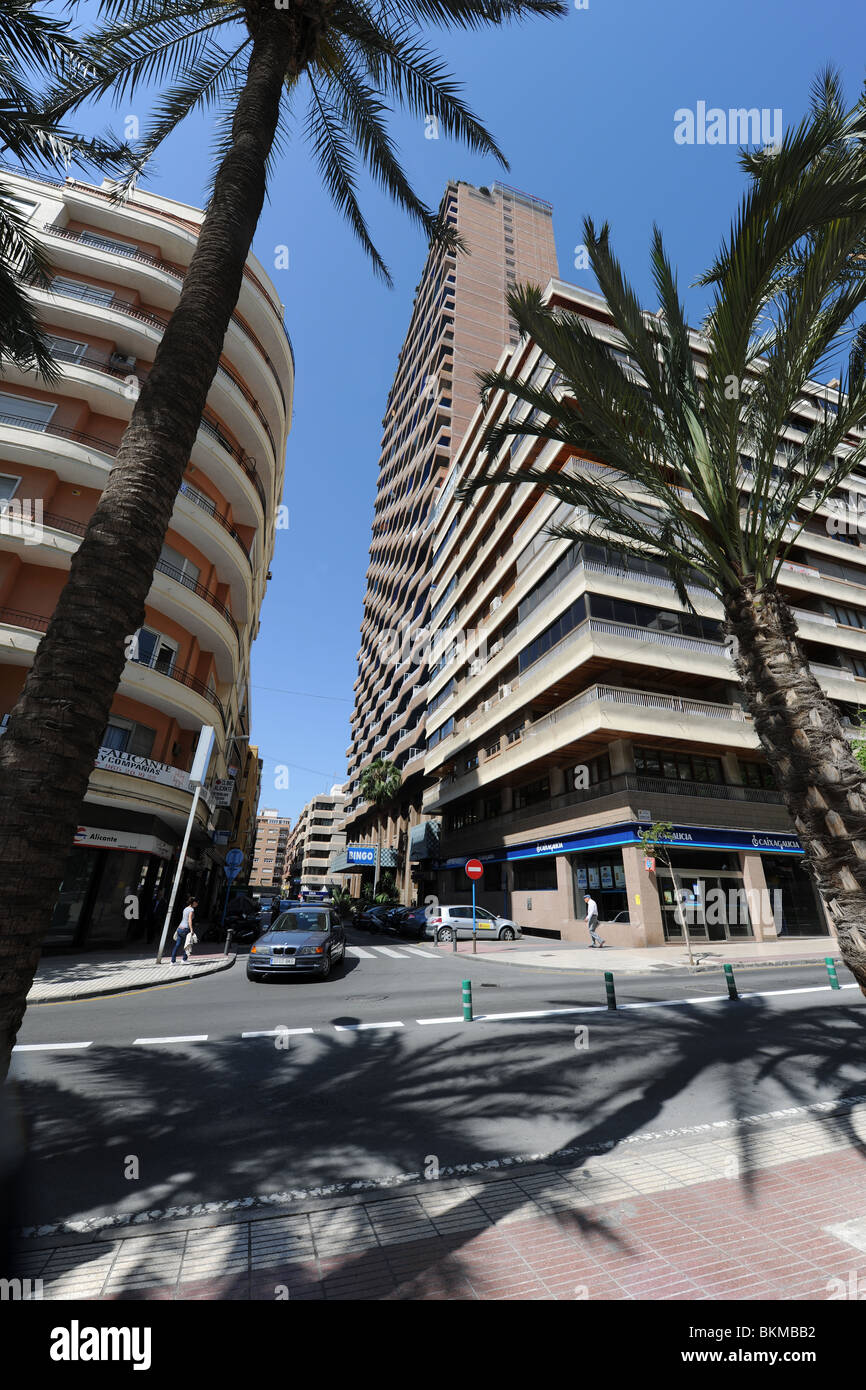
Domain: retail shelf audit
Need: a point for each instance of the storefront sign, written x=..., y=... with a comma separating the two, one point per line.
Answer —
x=89, y=836
x=114, y=760
x=364, y=854
x=606, y=876
x=221, y=792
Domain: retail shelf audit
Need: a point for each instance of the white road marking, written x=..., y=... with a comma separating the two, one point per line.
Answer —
x=420, y=951
x=456, y=1019
x=276, y=1032
x=387, y=951
x=48, y=1047
x=190, y=1037
x=360, y=952
x=358, y=1027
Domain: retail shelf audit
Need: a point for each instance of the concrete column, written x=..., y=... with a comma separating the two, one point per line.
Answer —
x=621, y=754
x=759, y=898
x=643, y=899
x=731, y=767
x=557, y=781
x=507, y=796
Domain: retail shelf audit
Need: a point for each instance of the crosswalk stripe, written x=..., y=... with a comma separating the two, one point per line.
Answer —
x=387, y=951
x=359, y=951
x=419, y=951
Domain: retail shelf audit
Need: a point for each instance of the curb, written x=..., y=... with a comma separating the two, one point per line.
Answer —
x=107, y=988
x=657, y=970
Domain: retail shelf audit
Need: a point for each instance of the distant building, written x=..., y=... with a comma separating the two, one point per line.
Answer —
x=270, y=855
x=317, y=839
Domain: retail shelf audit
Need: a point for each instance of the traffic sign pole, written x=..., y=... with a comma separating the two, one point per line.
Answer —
x=474, y=923
x=474, y=869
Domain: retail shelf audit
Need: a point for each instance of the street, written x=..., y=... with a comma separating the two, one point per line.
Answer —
x=227, y=1092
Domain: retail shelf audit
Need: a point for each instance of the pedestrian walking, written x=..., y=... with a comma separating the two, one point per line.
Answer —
x=592, y=921
x=185, y=937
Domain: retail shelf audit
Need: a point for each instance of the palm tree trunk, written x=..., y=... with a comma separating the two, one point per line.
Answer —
x=816, y=771
x=54, y=731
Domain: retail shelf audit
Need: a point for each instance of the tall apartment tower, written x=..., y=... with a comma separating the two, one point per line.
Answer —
x=459, y=326
x=116, y=274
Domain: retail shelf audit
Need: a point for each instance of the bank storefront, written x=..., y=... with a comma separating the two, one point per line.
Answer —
x=719, y=885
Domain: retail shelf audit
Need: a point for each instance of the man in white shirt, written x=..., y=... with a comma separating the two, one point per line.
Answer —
x=592, y=920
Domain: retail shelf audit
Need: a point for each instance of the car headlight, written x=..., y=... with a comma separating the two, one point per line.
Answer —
x=310, y=950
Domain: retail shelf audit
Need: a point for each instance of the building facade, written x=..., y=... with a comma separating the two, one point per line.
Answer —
x=272, y=851
x=317, y=840
x=602, y=706
x=459, y=326
x=116, y=275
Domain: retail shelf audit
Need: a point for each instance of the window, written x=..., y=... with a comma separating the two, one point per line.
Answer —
x=757, y=775
x=155, y=650
x=678, y=767
x=8, y=488
x=67, y=349
x=125, y=736
x=185, y=572
x=79, y=289
x=531, y=793
x=23, y=206
x=859, y=667
x=107, y=243
x=536, y=875
x=849, y=617
x=25, y=410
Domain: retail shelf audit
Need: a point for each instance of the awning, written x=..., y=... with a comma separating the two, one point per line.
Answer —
x=424, y=840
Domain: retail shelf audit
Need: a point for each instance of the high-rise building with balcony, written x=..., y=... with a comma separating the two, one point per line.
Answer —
x=459, y=325
x=316, y=840
x=603, y=705
x=271, y=853
x=116, y=275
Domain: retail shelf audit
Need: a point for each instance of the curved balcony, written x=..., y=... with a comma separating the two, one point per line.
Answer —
x=162, y=567
x=35, y=622
x=178, y=273
x=123, y=306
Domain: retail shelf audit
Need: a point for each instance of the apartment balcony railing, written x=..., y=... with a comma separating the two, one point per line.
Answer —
x=123, y=306
x=177, y=273
x=836, y=672
x=162, y=567
x=644, y=699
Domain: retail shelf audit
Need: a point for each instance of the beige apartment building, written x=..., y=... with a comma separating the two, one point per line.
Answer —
x=271, y=853
x=317, y=841
x=459, y=326
x=116, y=274
x=600, y=705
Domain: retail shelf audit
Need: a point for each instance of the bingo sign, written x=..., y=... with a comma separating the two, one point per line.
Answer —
x=474, y=869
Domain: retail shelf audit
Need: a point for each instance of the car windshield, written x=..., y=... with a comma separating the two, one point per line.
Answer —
x=302, y=919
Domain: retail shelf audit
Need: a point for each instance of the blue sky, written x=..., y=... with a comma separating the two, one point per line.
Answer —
x=583, y=108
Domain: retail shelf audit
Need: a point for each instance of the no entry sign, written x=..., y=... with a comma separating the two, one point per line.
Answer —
x=474, y=868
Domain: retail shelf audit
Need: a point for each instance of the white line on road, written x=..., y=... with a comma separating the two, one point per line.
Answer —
x=191, y=1037
x=48, y=1047
x=358, y=1027
x=456, y=1019
x=387, y=951
x=359, y=951
x=420, y=951
x=276, y=1032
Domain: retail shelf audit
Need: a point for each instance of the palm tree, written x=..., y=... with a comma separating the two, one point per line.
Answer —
x=692, y=471
x=351, y=60
x=33, y=47
x=380, y=783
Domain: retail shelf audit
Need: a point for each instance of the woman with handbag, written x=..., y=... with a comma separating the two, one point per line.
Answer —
x=184, y=937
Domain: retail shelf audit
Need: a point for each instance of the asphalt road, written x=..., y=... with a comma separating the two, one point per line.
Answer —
x=224, y=1117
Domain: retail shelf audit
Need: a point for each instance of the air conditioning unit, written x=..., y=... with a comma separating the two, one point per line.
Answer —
x=503, y=691
x=475, y=667
x=485, y=704
x=496, y=603
x=497, y=646
x=123, y=361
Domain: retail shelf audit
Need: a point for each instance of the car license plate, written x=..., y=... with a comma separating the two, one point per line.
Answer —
x=284, y=960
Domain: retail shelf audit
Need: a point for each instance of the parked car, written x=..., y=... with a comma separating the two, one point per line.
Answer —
x=373, y=918
x=445, y=921
x=302, y=941
x=408, y=921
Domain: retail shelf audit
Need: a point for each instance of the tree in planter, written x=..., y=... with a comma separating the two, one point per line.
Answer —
x=655, y=842
x=352, y=63
x=380, y=783
x=691, y=474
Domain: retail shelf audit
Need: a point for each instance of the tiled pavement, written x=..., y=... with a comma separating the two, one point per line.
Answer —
x=742, y=1216
x=80, y=978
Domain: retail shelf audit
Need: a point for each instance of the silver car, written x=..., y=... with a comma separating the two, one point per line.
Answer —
x=302, y=941
x=444, y=922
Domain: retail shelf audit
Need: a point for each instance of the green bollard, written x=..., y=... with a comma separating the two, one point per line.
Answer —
x=732, y=984
x=831, y=971
x=609, y=989
x=467, y=1001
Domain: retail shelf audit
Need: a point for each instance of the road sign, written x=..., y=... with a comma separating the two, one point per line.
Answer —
x=232, y=865
x=474, y=868
x=649, y=864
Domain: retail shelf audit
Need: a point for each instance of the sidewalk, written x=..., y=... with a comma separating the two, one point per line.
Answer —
x=748, y=1210
x=62, y=978
x=566, y=955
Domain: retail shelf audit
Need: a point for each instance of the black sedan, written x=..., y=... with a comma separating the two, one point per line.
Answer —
x=302, y=941
x=374, y=918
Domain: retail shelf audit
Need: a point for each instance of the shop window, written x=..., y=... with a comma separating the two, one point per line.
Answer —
x=678, y=767
x=536, y=876
x=532, y=793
